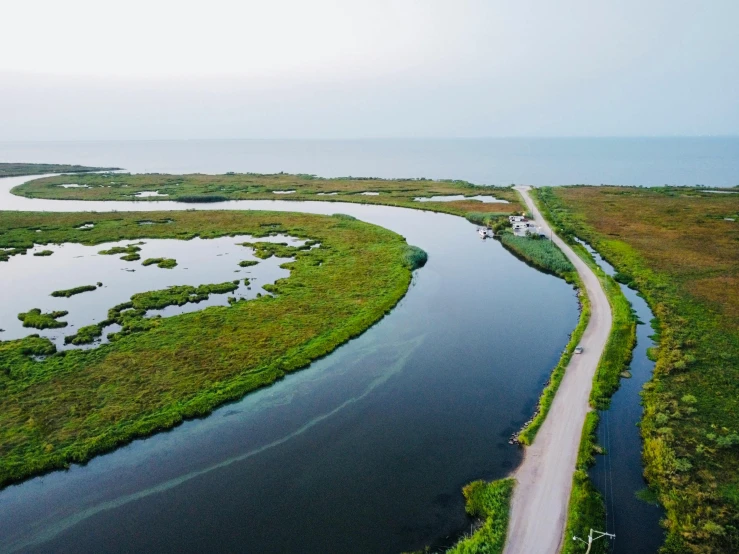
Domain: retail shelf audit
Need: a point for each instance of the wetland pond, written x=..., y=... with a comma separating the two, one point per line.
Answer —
x=29, y=280
x=365, y=451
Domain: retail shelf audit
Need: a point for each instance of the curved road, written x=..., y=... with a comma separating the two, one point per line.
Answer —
x=544, y=479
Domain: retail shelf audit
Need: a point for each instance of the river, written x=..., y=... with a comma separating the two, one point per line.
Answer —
x=364, y=451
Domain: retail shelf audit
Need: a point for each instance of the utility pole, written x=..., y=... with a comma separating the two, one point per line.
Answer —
x=591, y=538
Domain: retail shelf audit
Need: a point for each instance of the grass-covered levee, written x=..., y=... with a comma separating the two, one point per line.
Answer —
x=74, y=404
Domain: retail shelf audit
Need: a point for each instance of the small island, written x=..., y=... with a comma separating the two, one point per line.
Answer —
x=20, y=169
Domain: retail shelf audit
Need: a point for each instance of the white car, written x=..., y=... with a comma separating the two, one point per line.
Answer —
x=578, y=350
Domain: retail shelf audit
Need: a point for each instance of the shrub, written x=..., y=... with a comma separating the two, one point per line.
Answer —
x=415, y=257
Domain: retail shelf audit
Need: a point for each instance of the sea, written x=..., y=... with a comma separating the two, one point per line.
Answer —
x=647, y=161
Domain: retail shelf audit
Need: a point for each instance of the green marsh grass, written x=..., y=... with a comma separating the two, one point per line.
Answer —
x=18, y=169
x=253, y=186
x=540, y=252
x=71, y=292
x=164, y=263
x=490, y=502
x=36, y=319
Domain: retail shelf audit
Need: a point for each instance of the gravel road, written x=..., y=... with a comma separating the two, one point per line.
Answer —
x=544, y=479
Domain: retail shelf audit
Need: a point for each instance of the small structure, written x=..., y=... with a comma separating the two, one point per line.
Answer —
x=516, y=218
x=520, y=225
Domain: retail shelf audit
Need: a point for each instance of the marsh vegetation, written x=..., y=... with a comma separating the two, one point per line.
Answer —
x=130, y=252
x=164, y=263
x=161, y=370
x=448, y=196
x=677, y=247
x=71, y=292
x=38, y=320
x=18, y=169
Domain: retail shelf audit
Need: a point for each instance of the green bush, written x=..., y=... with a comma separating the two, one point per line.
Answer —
x=415, y=257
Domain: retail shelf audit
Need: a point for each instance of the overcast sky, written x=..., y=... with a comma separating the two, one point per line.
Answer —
x=150, y=69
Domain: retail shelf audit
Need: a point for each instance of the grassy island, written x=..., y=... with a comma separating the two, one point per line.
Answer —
x=20, y=169
x=71, y=292
x=72, y=405
x=39, y=320
x=678, y=247
x=254, y=186
x=164, y=263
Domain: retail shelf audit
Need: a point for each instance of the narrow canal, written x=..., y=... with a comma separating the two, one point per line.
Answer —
x=619, y=474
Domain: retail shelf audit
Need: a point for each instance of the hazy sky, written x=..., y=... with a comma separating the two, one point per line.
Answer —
x=84, y=69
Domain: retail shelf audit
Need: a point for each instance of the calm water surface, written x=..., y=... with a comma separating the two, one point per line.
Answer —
x=365, y=451
x=497, y=161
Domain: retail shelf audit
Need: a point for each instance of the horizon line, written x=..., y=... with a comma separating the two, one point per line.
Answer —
x=379, y=138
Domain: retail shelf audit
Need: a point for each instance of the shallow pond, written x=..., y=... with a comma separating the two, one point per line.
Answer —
x=619, y=474
x=457, y=197
x=366, y=451
x=29, y=280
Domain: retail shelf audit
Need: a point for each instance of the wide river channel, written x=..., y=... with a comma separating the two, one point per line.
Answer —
x=367, y=450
